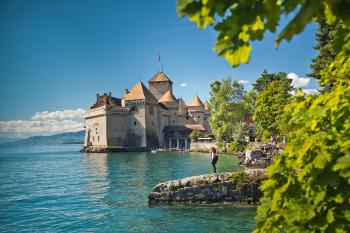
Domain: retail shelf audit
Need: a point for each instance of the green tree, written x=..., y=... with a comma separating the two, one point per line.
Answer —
x=195, y=134
x=266, y=78
x=249, y=102
x=326, y=56
x=309, y=185
x=269, y=108
x=226, y=107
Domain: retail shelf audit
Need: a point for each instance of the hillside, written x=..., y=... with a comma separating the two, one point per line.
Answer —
x=62, y=138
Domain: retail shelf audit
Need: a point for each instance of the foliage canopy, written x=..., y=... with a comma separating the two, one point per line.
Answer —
x=269, y=107
x=239, y=22
x=226, y=107
x=309, y=185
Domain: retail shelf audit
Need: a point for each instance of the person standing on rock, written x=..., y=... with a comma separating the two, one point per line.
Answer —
x=214, y=158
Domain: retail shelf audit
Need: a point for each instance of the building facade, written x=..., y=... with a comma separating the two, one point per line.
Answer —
x=145, y=118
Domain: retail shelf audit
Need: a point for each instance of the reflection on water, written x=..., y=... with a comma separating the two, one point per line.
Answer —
x=55, y=188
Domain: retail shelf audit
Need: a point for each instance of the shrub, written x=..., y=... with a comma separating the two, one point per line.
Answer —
x=236, y=146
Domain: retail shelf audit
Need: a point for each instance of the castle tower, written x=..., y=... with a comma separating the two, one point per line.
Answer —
x=106, y=123
x=207, y=116
x=143, y=130
x=182, y=108
x=196, y=110
x=159, y=84
x=172, y=104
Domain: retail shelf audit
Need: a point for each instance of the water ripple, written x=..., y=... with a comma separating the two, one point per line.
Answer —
x=57, y=189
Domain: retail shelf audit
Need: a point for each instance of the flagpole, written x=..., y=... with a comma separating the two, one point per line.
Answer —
x=158, y=61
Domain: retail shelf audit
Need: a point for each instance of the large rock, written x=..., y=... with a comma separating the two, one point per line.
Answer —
x=262, y=156
x=240, y=187
x=253, y=155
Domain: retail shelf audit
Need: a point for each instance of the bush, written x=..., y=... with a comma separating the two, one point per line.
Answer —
x=236, y=146
x=196, y=134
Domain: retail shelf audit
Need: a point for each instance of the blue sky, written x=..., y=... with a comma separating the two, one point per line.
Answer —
x=56, y=55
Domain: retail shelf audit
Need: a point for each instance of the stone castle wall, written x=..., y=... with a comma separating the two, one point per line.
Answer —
x=152, y=127
x=136, y=127
x=202, y=146
x=96, y=131
x=117, y=121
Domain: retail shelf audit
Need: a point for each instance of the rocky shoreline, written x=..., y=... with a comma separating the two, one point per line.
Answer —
x=261, y=156
x=228, y=187
x=91, y=149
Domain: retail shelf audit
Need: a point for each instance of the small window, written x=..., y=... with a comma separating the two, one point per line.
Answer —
x=151, y=109
x=93, y=138
x=98, y=138
x=198, y=117
x=134, y=122
x=96, y=132
x=152, y=123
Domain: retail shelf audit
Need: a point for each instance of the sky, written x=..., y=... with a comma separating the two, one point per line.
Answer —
x=56, y=55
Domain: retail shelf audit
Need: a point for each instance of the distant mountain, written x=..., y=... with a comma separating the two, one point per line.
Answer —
x=62, y=138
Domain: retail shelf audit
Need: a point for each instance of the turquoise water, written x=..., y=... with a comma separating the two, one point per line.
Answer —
x=58, y=189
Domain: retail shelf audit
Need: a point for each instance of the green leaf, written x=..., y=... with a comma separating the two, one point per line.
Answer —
x=330, y=216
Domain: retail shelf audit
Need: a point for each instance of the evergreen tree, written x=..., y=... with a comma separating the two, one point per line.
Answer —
x=326, y=55
x=266, y=78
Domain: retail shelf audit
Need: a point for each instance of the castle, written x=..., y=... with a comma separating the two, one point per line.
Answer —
x=144, y=118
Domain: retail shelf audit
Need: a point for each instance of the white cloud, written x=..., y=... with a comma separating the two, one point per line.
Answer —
x=183, y=85
x=306, y=91
x=311, y=91
x=45, y=123
x=297, y=81
x=243, y=82
x=59, y=115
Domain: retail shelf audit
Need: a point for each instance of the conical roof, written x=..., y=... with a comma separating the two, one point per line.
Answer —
x=139, y=92
x=168, y=97
x=182, y=103
x=206, y=105
x=160, y=77
x=196, y=102
x=182, y=107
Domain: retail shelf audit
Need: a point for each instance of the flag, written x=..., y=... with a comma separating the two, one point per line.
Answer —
x=158, y=57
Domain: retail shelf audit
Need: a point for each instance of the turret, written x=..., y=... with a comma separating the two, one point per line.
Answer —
x=159, y=84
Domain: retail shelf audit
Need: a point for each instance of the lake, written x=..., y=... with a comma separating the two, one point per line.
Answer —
x=58, y=189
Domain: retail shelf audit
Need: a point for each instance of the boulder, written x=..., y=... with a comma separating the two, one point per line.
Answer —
x=242, y=187
x=262, y=156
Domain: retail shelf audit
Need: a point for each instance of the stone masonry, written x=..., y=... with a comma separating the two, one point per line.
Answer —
x=240, y=188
